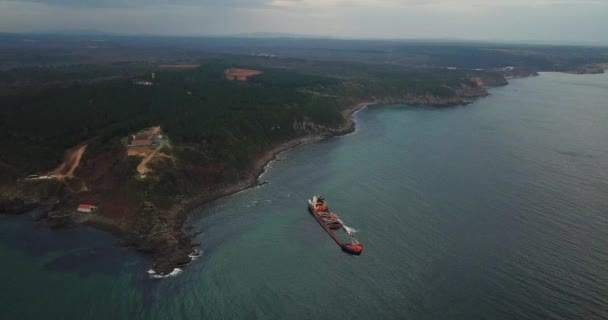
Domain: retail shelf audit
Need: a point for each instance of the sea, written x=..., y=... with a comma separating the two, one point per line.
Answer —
x=493, y=210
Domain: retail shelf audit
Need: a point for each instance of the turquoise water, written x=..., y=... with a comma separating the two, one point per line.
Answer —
x=496, y=210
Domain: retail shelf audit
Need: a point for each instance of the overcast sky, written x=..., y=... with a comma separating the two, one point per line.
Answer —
x=583, y=21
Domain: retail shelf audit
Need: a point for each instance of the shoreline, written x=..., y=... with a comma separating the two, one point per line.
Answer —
x=167, y=256
x=166, y=235
x=168, y=259
x=261, y=164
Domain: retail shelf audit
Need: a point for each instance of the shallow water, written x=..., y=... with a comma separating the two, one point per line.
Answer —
x=496, y=210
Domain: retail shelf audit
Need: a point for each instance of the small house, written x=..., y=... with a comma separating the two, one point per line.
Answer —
x=87, y=208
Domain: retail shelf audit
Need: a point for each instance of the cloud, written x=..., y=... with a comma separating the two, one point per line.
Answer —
x=441, y=5
x=551, y=20
x=148, y=3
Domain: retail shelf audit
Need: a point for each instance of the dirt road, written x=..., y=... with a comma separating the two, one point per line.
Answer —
x=143, y=168
x=70, y=164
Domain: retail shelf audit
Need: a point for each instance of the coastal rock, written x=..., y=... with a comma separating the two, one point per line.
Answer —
x=16, y=206
x=158, y=232
x=468, y=91
x=171, y=256
x=58, y=220
x=428, y=99
x=589, y=69
x=307, y=126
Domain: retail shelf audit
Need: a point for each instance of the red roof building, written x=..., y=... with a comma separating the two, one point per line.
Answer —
x=86, y=208
x=141, y=142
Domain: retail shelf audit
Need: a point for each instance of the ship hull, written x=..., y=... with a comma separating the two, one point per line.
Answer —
x=350, y=248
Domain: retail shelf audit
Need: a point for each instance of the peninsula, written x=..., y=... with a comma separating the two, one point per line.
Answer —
x=133, y=145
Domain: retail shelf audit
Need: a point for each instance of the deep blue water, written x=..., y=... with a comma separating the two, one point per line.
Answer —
x=495, y=210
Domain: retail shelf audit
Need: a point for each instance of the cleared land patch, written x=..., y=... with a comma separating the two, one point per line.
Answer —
x=179, y=66
x=240, y=74
x=147, y=144
x=138, y=151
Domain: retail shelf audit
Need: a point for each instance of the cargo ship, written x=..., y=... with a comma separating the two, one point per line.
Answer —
x=331, y=223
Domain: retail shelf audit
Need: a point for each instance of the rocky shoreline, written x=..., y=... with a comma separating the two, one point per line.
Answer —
x=178, y=252
x=16, y=206
x=591, y=69
x=162, y=233
x=169, y=255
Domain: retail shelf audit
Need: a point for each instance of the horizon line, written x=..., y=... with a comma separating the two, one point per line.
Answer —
x=286, y=35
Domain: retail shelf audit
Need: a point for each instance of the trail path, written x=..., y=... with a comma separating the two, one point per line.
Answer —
x=70, y=163
x=142, y=168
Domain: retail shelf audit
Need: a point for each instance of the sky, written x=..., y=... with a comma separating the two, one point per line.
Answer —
x=557, y=21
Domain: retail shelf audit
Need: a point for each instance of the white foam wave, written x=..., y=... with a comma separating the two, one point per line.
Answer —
x=347, y=228
x=173, y=273
x=195, y=254
x=261, y=185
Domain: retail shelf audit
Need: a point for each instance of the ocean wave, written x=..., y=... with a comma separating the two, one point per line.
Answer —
x=173, y=273
x=195, y=254
x=349, y=230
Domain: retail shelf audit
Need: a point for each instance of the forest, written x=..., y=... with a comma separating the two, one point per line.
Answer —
x=221, y=121
x=193, y=106
x=84, y=96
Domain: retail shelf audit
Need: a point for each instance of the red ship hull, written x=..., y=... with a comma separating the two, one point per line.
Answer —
x=330, y=223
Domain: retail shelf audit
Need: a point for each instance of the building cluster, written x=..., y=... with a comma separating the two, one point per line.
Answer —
x=134, y=141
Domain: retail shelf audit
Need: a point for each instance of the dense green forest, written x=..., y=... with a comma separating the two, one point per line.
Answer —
x=218, y=121
x=223, y=121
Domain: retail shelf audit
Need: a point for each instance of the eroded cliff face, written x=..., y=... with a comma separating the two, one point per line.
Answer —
x=462, y=95
x=590, y=69
x=498, y=77
x=308, y=127
x=26, y=196
x=159, y=232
